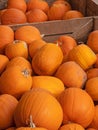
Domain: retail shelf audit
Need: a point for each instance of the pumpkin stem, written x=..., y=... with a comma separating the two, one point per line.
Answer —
x=42, y=35
x=32, y=125
x=25, y=72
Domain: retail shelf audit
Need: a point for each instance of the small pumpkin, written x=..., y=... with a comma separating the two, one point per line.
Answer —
x=47, y=59
x=38, y=103
x=13, y=16
x=8, y=105
x=18, y=4
x=15, y=81
x=71, y=74
x=27, y=34
x=82, y=55
x=71, y=126
x=74, y=110
x=16, y=48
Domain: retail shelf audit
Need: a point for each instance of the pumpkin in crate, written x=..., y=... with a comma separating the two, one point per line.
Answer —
x=6, y=36
x=44, y=109
x=47, y=59
x=13, y=16
x=50, y=83
x=18, y=4
x=71, y=126
x=15, y=81
x=71, y=74
x=82, y=55
x=27, y=34
x=39, y=4
x=92, y=41
x=77, y=105
x=16, y=48
x=8, y=104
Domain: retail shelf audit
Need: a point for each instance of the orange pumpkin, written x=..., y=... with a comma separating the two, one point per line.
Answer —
x=94, y=123
x=11, y=128
x=71, y=74
x=35, y=45
x=72, y=14
x=27, y=34
x=15, y=81
x=71, y=126
x=42, y=106
x=50, y=83
x=91, y=129
x=91, y=88
x=92, y=72
x=36, y=15
x=77, y=105
x=21, y=62
x=16, y=48
x=93, y=40
x=13, y=16
x=3, y=62
x=39, y=4
x=8, y=104
x=96, y=63
x=47, y=59
x=18, y=4
x=30, y=128
x=5, y=39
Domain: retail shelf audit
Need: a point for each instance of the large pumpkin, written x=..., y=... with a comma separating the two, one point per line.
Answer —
x=50, y=83
x=44, y=108
x=77, y=105
x=71, y=126
x=8, y=104
x=71, y=74
x=15, y=81
x=47, y=59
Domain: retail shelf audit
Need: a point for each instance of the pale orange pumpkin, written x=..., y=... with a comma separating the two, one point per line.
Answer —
x=47, y=59
x=71, y=126
x=71, y=74
x=15, y=81
x=42, y=106
x=77, y=105
x=36, y=15
x=16, y=48
x=27, y=34
x=13, y=16
x=39, y=4
x=18, y=4
x=5, y=39
x=8, y=105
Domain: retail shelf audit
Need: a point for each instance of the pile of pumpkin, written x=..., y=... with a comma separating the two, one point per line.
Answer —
x=47, y=86
x=20, y=11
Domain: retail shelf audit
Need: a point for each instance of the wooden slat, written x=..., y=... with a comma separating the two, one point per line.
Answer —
x=96, y=23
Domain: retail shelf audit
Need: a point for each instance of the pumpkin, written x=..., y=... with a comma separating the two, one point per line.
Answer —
x=96, y=63
x=91, y=129
x=16, y=48
x=47, y=59
x=13, y=16
x=5, y=39
x=77, y=105
x=44, y=108
x=8, y=104
x=30, y=128
x=34, y=46
x=56, y=11
x=39, y=4
x=91, y=88
x=82, y=55
x=27, y=34
x=71, y=74
x=3, y=62
x=50, y=83
x=92, y=72
x=21, y=62
x=11, y=128
x=18, y=4
x=15, y=81
x=72, y=14
x=94, y=123
x=92, y=41
x=71, y=126
x=36, y=15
